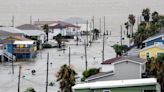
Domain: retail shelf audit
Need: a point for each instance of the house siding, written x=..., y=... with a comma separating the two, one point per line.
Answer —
x=129, y=89
x=153, y=52
x=123, y=70
x=149, y=43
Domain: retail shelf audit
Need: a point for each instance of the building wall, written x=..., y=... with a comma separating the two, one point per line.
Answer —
x=155, y=40
x=153, y=52
x=129, y=89
x=123, y=70
x=9, y=48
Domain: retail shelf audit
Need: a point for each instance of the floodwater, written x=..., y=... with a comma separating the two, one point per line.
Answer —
x=8, y=82
x=116, y=11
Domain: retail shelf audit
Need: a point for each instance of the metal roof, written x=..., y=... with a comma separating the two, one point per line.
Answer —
x=116, y=83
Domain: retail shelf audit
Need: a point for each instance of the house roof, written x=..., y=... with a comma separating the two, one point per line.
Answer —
x=116, y=83
x=11, y=39
x=31, y=30
x=100, y=75
x=24, y=42
x=124, y=58
x=28, y=27
x=161, y=46
x=158, y=35
x=55, y=24
x=11, y=30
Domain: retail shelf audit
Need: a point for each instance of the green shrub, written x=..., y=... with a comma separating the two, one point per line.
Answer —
x=46, y=45
x=89, y=72
x=30, y=90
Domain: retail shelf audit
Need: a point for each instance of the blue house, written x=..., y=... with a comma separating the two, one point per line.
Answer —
x=156, y=39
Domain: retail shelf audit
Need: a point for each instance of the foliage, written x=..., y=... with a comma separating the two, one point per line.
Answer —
x=132, y=22
x=34, y=37
x=155, y=16
x=119, y=49
x=89, y=72
x=127, y=27
x=95, y=33
x=30, y=90
x=47, y=45
x=146, y=14
x=46, y=29
x=58, y=38
x=66, y=77
x=155, y=68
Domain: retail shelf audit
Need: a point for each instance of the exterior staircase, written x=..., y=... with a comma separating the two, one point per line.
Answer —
x=9, y=56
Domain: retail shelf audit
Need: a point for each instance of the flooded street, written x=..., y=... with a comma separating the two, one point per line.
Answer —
x=57, y=57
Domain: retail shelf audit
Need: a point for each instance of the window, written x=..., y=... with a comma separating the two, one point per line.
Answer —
x=147, y=55
x=106, y=91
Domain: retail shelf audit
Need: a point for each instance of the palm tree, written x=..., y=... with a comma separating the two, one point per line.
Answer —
x=155, y=16
x=58, y=38
x=132, y=22
x=146, y=14
x=127, y=27
x=66, y=77
x=155, y=68
x=46, y=29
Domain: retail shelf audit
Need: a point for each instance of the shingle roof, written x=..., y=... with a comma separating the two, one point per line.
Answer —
x=28, y=27
x=121, y=58
x=99, y=75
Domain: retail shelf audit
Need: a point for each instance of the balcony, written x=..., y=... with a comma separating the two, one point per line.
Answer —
x=22, y=50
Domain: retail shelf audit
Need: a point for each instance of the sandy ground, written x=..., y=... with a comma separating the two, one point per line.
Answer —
x=8, y=82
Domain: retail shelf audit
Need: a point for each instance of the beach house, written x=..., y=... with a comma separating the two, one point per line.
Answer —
x=67, y=30
x=155, y=39
x=152, y=51
x=132, y=85
x=33, y=32
x=120, y=68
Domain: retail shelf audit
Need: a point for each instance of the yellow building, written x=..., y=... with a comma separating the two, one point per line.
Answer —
x=151, y=51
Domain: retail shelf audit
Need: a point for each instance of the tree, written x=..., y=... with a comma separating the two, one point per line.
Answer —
x=119, y=49
x=155, y=16
x=155, y=68
x=127, y=27
x=58, y=38
x=66, y=77
x=132, y=22
x=89, y=72
x=146, y=14
x=95, y=33
x=30, y=90
x=46, y=29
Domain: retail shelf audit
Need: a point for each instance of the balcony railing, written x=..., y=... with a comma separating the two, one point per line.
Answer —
x=22, y=50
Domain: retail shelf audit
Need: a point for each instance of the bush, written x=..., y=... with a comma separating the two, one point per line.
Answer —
x=30, y=90
x=46, y=45
x=90, y=72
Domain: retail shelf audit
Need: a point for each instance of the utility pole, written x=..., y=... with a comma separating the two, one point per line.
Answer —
x=87, y=32
x=19, y=76
x=104, y=25
x=12, y=21
x=90, y=34
x=103, y=47
x=100, y=26
x=93, y=21
x=86, y=62
x=12, y=60
x=47, y=72
x=31, y=20
x=121, y=36
x=69, y=63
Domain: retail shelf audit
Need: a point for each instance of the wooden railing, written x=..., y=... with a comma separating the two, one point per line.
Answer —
x=22, y=50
